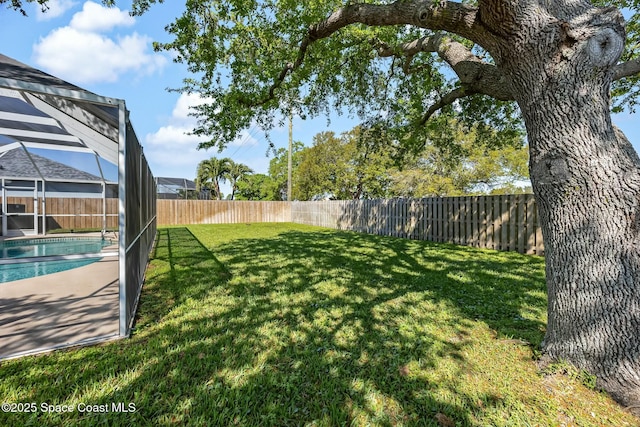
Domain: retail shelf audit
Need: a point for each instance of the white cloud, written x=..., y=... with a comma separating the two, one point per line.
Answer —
x=183, y=106
x=96, y=18
x=172, y=136
x=55, y=8
x=176, y=132
x=80, y=54
x=172, y=151
x=90, y=58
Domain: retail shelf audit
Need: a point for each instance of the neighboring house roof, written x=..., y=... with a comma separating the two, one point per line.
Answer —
x=17, y=164
x=176, y=182
x=176, y=188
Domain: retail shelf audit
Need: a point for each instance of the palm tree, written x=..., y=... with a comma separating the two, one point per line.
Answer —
x=210, y=173
x=235, y=173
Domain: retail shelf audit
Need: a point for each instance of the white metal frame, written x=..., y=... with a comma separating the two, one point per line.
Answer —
x=103, y=143
x=93, y=141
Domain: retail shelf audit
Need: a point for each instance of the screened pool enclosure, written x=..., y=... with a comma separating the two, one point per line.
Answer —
x=70, y=161
x=179, y=188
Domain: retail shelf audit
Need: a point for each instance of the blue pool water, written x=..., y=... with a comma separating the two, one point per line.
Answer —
x=11, y=272
x=15, y=254
x=51, y=246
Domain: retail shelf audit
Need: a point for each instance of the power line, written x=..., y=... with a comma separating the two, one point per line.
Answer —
x=246, y=139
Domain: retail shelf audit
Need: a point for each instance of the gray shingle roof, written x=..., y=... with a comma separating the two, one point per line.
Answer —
x=16, y=164
x=176, y=182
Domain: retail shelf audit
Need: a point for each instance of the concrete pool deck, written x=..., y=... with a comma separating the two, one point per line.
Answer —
x=62, y=309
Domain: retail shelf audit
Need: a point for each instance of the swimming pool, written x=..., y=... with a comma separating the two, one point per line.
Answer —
x=26, y=258
x=27, y=248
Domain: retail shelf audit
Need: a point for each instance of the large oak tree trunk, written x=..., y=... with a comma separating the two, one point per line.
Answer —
x=586, y=179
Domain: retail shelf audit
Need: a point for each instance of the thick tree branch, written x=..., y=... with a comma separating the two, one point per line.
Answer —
x=476, y=75
x=452, y=17
x=626, y=69
x=499, y=16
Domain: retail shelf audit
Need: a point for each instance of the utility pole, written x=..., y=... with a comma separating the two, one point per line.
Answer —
x=289, y=160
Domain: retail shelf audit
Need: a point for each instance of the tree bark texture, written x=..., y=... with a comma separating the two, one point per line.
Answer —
x=586, y=179
x=557, y=60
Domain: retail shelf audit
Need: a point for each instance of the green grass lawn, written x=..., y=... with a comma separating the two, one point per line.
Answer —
x=288, y=325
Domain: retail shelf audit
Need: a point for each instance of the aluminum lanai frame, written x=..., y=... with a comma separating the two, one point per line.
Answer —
x=41, y=171
x=101, y=125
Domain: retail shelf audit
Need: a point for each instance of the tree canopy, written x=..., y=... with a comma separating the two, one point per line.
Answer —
x=211, y=173
x=256, y=186
x=363, y=165
x=236, y=172
x=214, y=171
x=398, y=62
x=340, y=168
x=279, y=166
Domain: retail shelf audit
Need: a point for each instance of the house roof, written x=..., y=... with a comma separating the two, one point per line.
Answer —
x=181, y=183
x=18, y=164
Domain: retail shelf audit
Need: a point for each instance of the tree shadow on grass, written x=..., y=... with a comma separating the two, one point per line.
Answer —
x=316, y=322
x=321, y=327
x=192, y=271
x=498, y=288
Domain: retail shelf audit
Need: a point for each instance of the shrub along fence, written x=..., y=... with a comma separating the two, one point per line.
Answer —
x=508, y=223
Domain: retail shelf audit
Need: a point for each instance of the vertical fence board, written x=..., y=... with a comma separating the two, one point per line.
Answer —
x=488, y=222
x=483, y=235
x=469, y=234
x=539, y=242
x=504, y=223
x=454, y=226
x=446, y=219
x=531, y=225
x=496, y=218
x=441, y=216
x=522, y=223
x=513, y=217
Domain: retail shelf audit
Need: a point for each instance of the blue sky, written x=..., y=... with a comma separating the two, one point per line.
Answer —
x=106, y=51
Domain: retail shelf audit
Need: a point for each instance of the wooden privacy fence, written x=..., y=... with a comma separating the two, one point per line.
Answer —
x=507, y=223
x=183, y=212
x=68, y=212
x=77, y=214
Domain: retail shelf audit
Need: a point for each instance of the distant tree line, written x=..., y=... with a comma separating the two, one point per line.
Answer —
x=364, y=163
